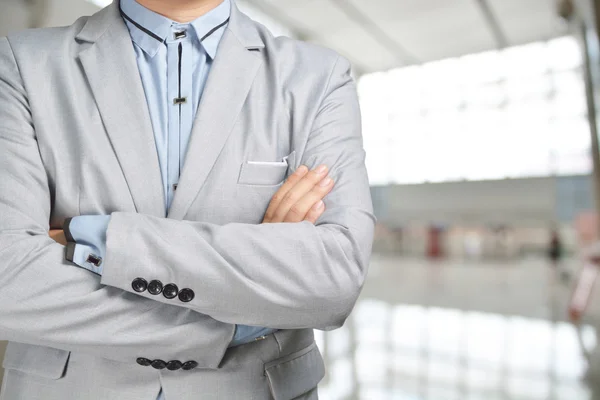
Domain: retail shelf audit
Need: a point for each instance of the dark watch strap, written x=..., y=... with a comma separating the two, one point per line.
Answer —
x=67, y=231
x=70, y=251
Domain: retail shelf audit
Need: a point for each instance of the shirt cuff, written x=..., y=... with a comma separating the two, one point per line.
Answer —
x=85, y=257
x=86, y=241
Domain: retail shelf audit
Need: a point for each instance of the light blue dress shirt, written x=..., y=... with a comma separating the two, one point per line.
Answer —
x=174, y=60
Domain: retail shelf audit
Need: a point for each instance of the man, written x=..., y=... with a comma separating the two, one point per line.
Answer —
x=195, y=280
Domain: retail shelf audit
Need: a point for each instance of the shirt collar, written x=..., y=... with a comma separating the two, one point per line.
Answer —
x=150, y=30
x=211, y=26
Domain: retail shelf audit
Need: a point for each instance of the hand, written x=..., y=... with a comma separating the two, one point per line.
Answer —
x=59, y=236
x=300, y=198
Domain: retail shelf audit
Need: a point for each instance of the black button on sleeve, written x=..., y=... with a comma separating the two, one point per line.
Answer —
x=139, y=285
x=170, y=291
x=189, y=365
x=186, y=295
x=155, y=287
x=158, y=364
x=174, y=365
x=143, y=361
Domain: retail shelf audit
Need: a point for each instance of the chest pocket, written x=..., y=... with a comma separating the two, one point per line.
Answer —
x=266, y=173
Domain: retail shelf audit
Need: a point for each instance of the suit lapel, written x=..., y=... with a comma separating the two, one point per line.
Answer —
x=111, y=69
x=230, y=79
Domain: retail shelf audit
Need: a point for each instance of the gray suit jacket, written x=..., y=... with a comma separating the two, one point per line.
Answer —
x=76, y=139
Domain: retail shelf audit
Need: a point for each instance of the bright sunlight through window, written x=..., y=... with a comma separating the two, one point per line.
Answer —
x=517, y=112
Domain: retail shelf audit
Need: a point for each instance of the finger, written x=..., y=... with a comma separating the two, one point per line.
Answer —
x=298, y=191
x=315, y=212
x=299, y=210
x=291, y=181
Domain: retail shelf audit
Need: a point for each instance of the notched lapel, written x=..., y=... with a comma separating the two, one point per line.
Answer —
x=229, y=82
x=111, y=69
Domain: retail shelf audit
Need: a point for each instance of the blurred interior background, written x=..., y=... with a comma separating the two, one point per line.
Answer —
x=480, y=127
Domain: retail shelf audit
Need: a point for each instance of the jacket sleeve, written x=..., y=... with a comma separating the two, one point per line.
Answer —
x=284, y=275
x=86, y=235
x=86, y=241
x=48, y=302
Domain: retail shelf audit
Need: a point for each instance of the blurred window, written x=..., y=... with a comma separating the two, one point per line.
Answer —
x=518, y=112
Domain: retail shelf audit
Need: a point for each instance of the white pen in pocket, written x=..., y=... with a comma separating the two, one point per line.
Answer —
x=283, y=162
x=267, y=162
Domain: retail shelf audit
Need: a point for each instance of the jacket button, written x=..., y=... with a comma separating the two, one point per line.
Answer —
x=170, y=291
x=189, y=365
x=158, y=364
x=174, y=365
x=139, y=285
x=143, y=361
x=155, y=287
x=186, y=295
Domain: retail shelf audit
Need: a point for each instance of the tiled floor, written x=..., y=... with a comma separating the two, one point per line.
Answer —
x=459, y=331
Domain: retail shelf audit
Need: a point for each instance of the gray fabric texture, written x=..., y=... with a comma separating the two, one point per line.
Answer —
x=76, y=139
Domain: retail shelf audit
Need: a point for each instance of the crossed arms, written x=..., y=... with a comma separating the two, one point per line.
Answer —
x=285, y=275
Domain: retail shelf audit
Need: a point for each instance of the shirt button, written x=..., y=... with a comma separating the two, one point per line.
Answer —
x=189, y=365
x=186, y=295
x=143, y=361
x=139, y=285
x=174, y=365
x=158, y=364
x=180, y=35
x=170, y=291
x=155, y=287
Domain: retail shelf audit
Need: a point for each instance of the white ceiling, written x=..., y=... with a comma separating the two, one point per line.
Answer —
x=382, y=34
x=375, y=34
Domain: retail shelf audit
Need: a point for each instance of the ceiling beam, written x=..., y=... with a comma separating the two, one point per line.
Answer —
x=282, y=18
x=493, y=24
x=301, y=34
x=372, y=28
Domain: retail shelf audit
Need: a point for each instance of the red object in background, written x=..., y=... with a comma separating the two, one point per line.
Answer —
x=434, y=243
x=583, y=290
x=586, y=226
